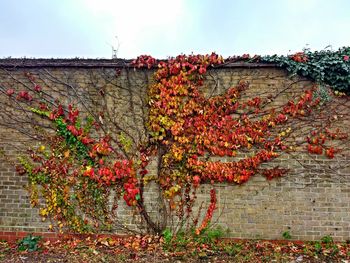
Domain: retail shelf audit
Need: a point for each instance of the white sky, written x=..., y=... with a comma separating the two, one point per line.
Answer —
x=161, y=28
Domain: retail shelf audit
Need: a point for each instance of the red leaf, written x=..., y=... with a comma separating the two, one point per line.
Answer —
x=10, y=92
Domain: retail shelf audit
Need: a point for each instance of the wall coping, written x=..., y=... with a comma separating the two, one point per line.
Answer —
x=14, y=63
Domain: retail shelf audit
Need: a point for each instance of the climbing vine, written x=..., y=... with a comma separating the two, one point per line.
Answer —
x=324, y=67
x=80, y=166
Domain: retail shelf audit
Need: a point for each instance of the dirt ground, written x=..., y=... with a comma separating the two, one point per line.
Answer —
x=142, y=249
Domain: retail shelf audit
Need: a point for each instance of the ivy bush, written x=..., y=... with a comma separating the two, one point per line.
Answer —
x=325, y=66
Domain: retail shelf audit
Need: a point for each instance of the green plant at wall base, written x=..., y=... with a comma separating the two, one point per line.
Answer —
x=286, y=235
x=29, y=243
x=233, y=249
x=327, y=240
x=168, y=236
x=209, y=235
x=179, y=241
x=318, y=247
x=326, y=247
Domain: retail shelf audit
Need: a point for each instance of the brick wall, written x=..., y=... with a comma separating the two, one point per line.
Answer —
x=311, y=201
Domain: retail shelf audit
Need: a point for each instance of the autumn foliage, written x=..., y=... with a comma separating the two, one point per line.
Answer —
x=77, y=169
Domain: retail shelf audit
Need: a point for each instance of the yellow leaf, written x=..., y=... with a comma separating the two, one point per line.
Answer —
x=66, y=154
x=41, y=148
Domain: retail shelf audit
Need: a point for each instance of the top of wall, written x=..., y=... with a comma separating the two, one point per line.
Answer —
x=97, y=63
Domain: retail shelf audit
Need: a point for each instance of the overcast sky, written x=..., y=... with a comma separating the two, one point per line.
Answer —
x=162, y=28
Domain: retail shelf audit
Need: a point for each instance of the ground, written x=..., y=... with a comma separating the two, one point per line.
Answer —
x=156, y=249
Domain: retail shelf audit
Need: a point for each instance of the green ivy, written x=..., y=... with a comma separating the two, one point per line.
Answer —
x=39, y=178
x=326, y=66
x=89, y=124
x=125, y=141
x=40, y=112
x=72, y=141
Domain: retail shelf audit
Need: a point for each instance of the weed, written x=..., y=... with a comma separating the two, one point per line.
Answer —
x=182, y=239
x=209, y=235
x=232, y=249
x=318, y=247
x=327, y=240
x=29, y=243
x=168, y=236
x=286, y=235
